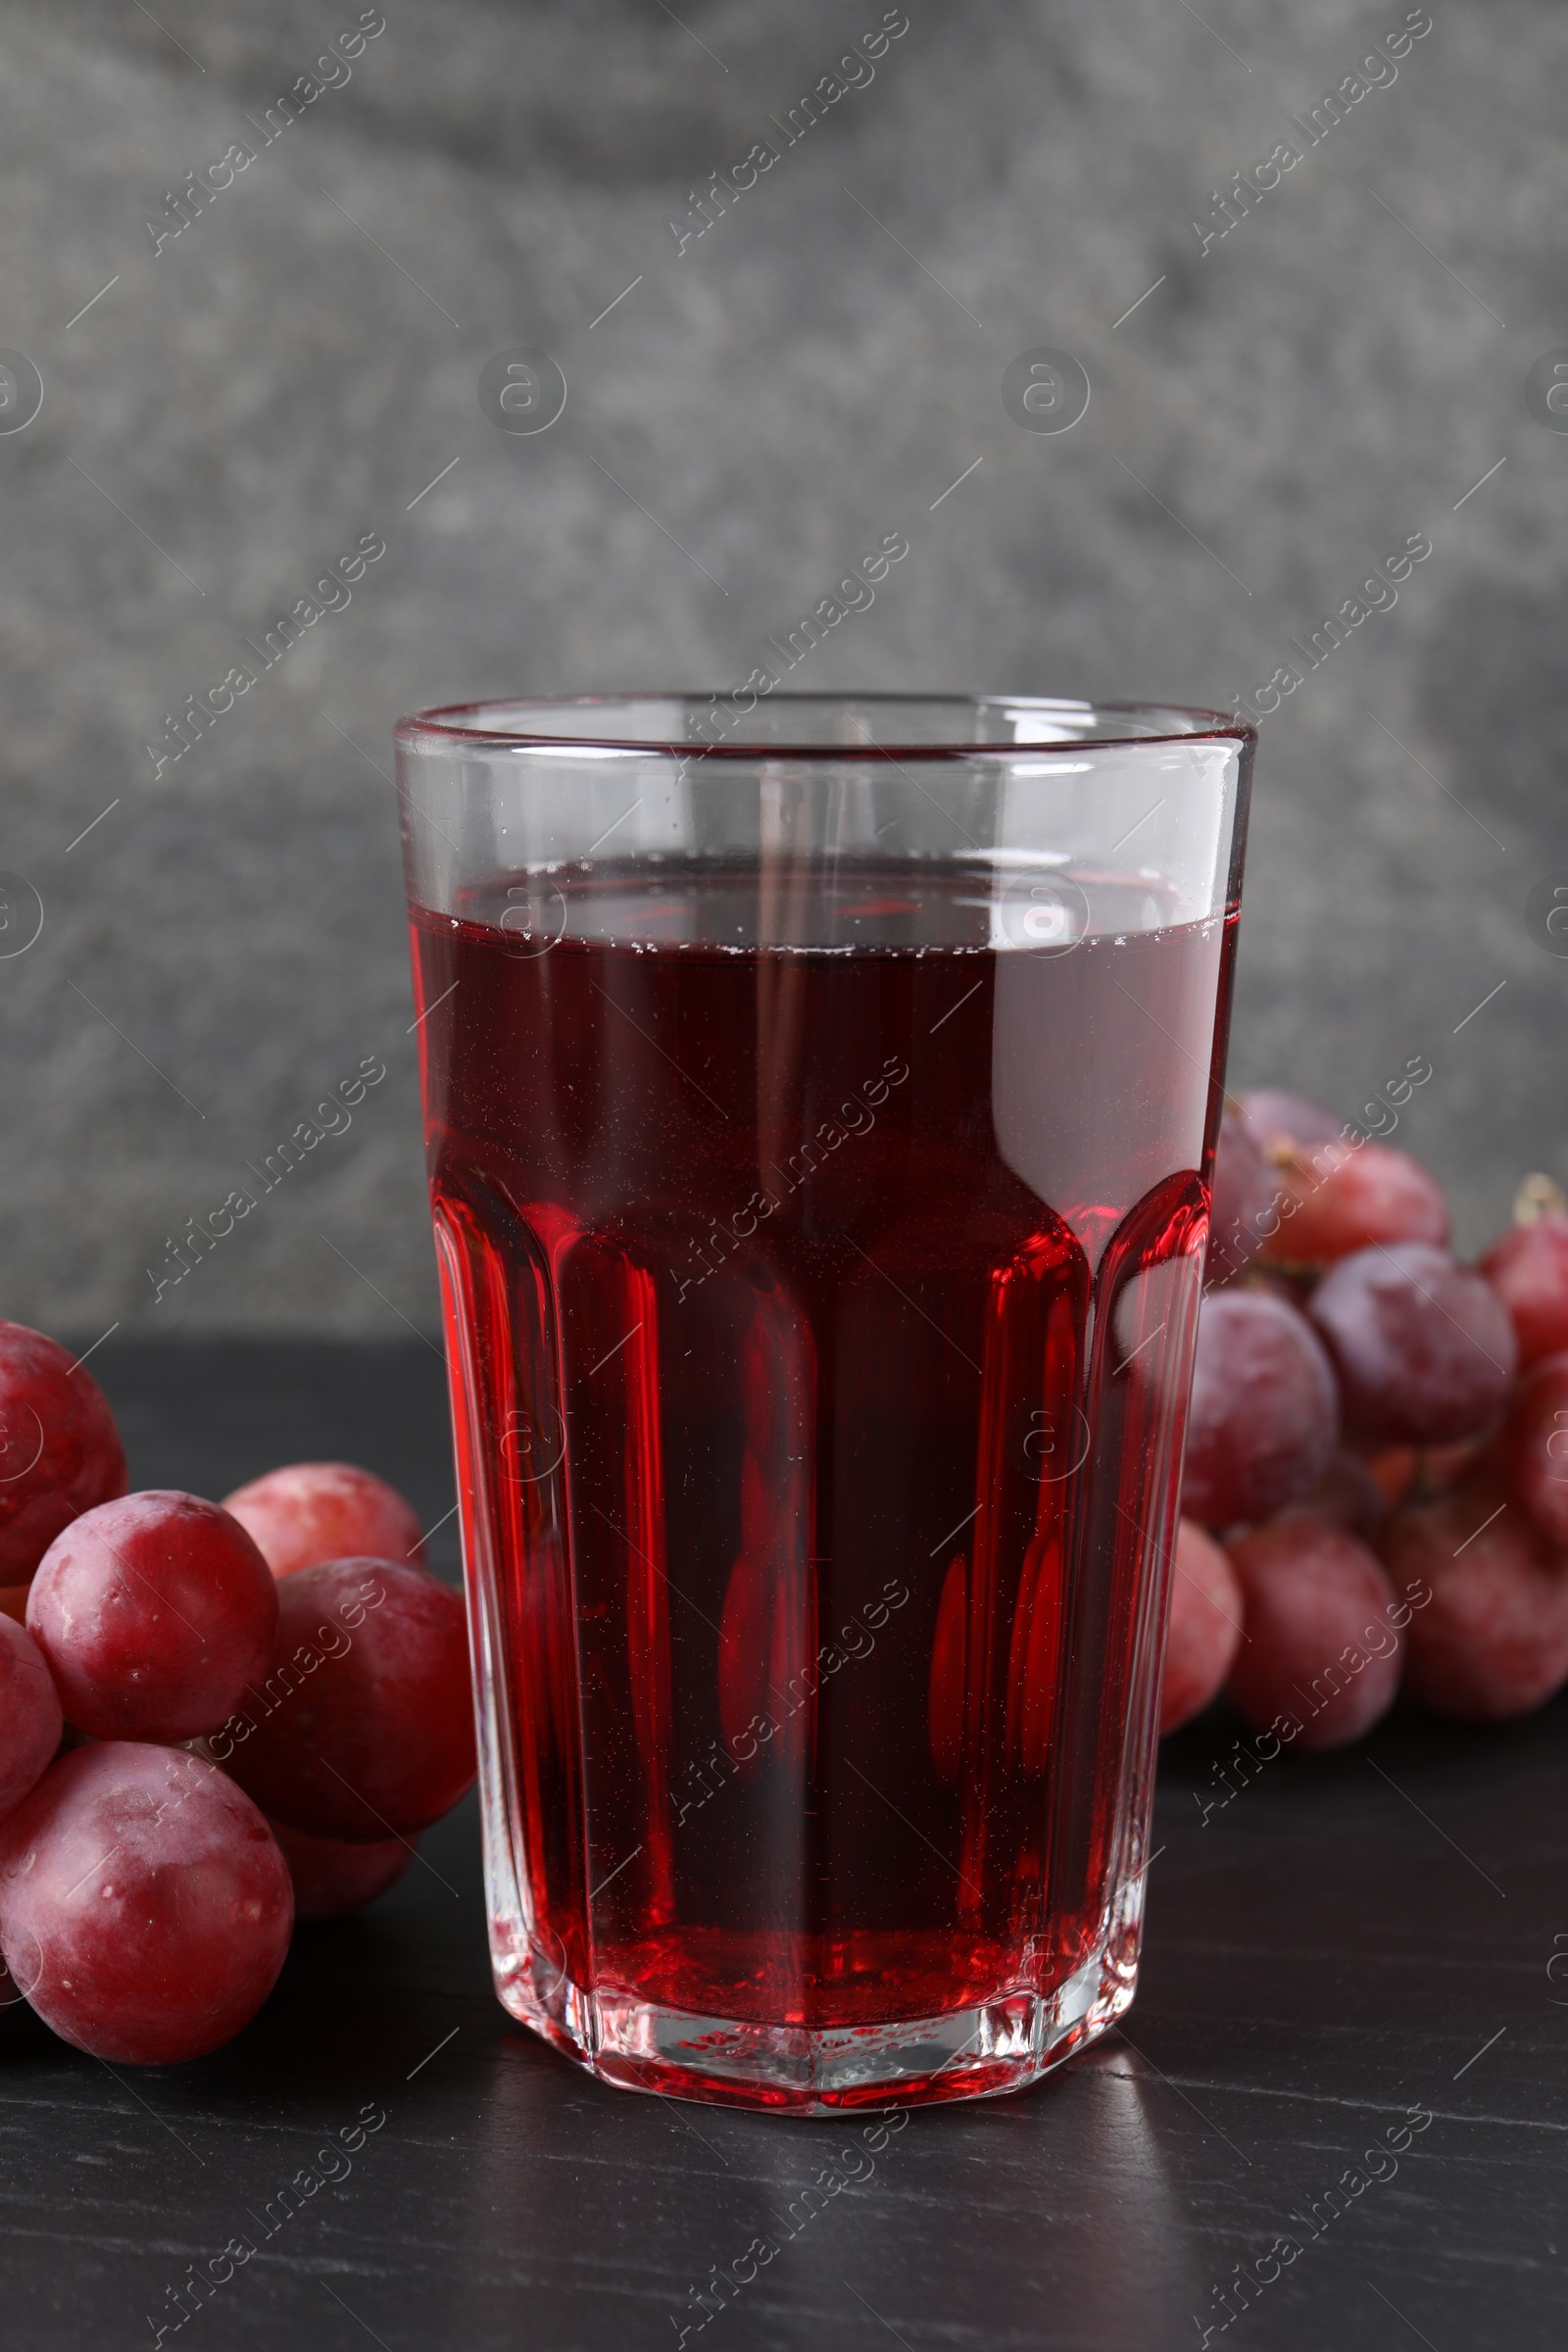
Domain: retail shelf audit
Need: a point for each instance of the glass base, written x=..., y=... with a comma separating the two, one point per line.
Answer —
x=980, y=2051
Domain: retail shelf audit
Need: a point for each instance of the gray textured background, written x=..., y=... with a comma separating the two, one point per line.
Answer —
x=235, y=411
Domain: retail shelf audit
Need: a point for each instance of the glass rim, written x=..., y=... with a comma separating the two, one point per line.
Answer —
x=450, y=725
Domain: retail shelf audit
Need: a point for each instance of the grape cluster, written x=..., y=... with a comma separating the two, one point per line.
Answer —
x=1377, y=1446
x=215, y=1720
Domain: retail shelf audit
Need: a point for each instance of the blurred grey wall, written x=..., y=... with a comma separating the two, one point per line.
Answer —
x=1274, y=410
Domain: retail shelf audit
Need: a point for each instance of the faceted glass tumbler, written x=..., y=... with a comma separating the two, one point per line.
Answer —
x=821, y=1098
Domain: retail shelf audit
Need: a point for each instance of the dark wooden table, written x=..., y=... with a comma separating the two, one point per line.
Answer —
x=1348, y=1939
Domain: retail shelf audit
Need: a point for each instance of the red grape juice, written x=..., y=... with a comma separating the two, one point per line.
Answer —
x=820, y=1320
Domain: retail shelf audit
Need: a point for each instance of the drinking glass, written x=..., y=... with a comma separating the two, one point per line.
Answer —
x=820, y=1096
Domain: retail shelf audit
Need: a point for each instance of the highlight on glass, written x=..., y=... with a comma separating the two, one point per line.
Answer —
x=821, y=1108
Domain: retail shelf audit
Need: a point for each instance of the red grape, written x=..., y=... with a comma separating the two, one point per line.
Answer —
x=59, y=1451
x=14, y=1603
x=1277, y=1121
x=30, y=1720
x=331, y=1878
x=1489, y=1598
x=1348, y=1495
x=1532, y=1447
x=313, y=1511
x=1393, y=1467
x=1437, y=1468
x=1423, y=1348
x=1243, y=1195
x=154, y=1613
x=1339, y=1196
x=364, y=1728
x=145, y=1909
x=1206, y=1627
x=1264, y=1414
x=1528, y=1268
x=1321, y=1647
